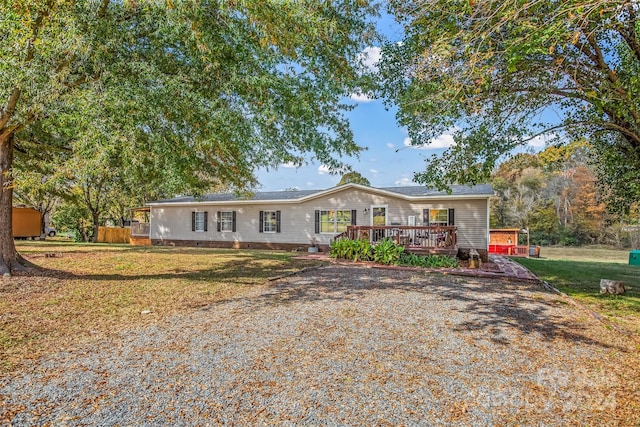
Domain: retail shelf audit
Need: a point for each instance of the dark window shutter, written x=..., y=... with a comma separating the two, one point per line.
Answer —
x=206, y=219
x=425, y=217
x=353, y=216
x=451, y=217
x=317, y=222
x=193, y=221
x=277, y=221
x=234, y=222
x=219, y=221
x=261, y=226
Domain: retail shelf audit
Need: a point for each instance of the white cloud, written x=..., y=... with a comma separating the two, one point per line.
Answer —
x=443, y=141
x=289, y=165
x=310, y=184
x=361, y=97
x=390, y=145
x=323, y=169
x=541, y=141
x=374, y=171
x=370, y=57
x=404, y=181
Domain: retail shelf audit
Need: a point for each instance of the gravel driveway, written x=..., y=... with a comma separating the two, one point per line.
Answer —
x=340, y=345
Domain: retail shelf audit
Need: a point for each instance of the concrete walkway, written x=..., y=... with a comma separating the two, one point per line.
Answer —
x=511, y=268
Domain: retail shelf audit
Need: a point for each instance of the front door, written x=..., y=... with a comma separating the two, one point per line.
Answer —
x=378, y=218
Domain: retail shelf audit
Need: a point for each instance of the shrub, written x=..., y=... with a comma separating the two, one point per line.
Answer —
x=387, y=252
x=441, y=261
x=430, y=261
x=355, y=250
x=413, y=260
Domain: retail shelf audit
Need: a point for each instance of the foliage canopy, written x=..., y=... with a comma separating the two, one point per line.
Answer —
x=501, y=73
x=182, y=95
x=354, y=177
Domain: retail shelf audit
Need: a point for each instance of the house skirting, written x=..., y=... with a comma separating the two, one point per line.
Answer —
x=422, y=251
x=461, y=253
x=139, y=241
x=289, y=247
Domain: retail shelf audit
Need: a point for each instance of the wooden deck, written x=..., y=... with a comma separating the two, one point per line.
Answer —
x=139, y=235
x=421, y=240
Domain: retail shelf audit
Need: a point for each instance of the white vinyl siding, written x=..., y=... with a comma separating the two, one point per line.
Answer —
x=298, y=220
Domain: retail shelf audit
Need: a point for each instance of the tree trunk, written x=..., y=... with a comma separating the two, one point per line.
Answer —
x=96, y=220
x=43, y=231
x=9, y=258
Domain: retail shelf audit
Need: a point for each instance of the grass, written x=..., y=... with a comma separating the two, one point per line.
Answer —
x=83, y=292
x=577, y=272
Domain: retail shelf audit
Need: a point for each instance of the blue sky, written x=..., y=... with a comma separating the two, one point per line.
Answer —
x=387, y=160
x=374, y=128
x=377, y=130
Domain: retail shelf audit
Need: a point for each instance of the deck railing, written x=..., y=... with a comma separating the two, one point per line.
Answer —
x=140, y=229
x=509, y=250
x=409, y=236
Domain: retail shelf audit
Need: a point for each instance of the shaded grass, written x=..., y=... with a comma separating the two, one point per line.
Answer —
x=577, y=272
x=83, y=292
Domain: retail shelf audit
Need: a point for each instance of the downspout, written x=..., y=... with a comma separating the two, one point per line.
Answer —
x=487, y=236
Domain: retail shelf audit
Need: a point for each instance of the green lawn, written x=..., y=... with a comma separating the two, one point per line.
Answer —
x=577, y=272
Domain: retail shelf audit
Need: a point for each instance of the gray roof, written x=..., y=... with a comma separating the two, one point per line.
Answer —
x=456, y=190
x=232, y=197
x=412, y=191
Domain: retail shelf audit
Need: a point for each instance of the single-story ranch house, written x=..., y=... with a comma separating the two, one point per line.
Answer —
x=415, y=216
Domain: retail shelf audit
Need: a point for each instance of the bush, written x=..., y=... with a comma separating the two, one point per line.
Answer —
x=430, y=261
x=355, y=250
x=74, y=219
x=388, y=253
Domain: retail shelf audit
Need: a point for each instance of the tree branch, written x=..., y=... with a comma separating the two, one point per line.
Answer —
x=35, y=30
x=7, y=112
x=628, y=33
x=102, y=10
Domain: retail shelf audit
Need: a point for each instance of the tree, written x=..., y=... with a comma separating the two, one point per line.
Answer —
x=194, y=94
x=499, y=74
x=354, y=177
x=553, y=193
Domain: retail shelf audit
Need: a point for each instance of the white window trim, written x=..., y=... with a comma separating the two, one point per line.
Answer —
x=437, y=223
x=200, y=214
x=264, y=221
x=230, y=222
x=334, y=221
x=386, y=213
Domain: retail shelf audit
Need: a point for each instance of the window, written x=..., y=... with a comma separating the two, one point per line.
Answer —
x=438, y=217
x=269, y=221
x=227, y=221
x=327, y=221
x=199, y=221
x=334, y=221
